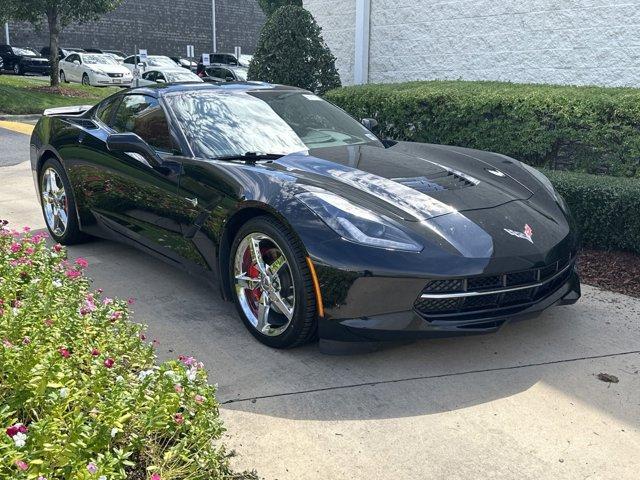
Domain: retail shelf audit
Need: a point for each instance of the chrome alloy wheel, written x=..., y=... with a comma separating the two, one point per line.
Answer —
x=264, y=284
x=54, y=201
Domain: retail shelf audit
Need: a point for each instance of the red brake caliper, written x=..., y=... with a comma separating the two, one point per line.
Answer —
x=253, y=272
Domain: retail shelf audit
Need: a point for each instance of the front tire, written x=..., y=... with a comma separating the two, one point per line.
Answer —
x=58, y=204
x=63, y=77
x=272, y=286
x=85, y=80
x=17, y=70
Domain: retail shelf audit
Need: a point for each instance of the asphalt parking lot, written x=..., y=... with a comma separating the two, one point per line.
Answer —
x=525, y=403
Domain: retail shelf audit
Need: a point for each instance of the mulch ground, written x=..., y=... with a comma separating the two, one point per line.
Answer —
x=63, y=91
x=615, y=271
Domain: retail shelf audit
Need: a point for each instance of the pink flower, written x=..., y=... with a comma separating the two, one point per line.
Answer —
x=7, y=343
x=155, y=342
x=95, y=352
x=155, y=476
x=22, y=465
x=15, y=429
x=29, y=250
x=15, y=247
x=82, y=262
x=109, y=362
x=64, y=352
x=143, y=337
x=116, y=316
x=131, y=300
x=199, y=399
x=26, y=229
x=73, y=273
x=187, y=360
x=178, y=418
x=26, y=341
x=48, y=322
x=93, y=469
x=57, y=247
x=107, y=301
x=178, y=388
x=100, y=290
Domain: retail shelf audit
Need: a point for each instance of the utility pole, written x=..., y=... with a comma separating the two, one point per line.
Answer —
x=213, y=25
x=6, y=33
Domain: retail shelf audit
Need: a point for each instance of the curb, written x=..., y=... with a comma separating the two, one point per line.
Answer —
x=20, y=118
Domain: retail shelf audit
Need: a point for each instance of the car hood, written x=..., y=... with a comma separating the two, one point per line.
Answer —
x=412, y=187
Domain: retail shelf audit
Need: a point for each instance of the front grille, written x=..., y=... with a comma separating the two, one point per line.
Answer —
x=488, y=295
x=115, y=75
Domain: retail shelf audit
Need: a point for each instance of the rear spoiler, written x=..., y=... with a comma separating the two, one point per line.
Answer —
x=74, y=110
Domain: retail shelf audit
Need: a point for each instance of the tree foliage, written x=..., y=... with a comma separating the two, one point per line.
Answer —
x=57, y=14
x=291, y=51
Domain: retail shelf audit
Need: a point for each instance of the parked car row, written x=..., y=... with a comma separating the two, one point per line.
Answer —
x=101, y=67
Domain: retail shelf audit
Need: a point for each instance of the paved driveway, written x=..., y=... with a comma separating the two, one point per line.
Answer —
x=522, y=404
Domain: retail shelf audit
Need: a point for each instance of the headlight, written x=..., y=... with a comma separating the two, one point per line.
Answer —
x=542, y=178
x=358, y=224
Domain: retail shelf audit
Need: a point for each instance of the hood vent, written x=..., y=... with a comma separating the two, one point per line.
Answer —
x=446, y=180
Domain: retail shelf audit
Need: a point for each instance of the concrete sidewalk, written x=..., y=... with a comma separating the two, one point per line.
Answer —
x=522, y=404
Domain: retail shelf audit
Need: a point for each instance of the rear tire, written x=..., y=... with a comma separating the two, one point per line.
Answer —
x=85, y=80
x=56, y=195
x=292, y=283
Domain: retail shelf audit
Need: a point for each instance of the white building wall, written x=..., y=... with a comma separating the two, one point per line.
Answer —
x=540, y=41
x=338, y=21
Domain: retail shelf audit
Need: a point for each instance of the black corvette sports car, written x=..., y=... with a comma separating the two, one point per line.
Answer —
x=303, y=217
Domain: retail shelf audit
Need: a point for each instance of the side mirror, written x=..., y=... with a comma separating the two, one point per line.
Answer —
x=229, y=78
x=131, y=143
x=161, y=80
x=370, y=123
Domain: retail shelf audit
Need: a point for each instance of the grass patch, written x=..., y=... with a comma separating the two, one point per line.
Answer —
x=27, y=95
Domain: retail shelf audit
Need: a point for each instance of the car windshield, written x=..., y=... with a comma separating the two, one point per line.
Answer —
x=220, y=124
x=158, y=61
x=25, y=52
x=98, y=59
x=241, y=73
x=185, y=76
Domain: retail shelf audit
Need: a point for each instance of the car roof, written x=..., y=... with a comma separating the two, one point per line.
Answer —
x=240, y=87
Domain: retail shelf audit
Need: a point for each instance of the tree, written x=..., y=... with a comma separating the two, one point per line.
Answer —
x=270, y=6
x=58, y=14
x=291, y=51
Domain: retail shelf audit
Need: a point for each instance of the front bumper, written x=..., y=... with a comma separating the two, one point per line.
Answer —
x=409, y=324
x=39, y=69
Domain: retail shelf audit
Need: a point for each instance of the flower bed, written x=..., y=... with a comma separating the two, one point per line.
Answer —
x=80, y=395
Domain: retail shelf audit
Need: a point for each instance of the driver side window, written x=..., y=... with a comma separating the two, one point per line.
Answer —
x=144, y=116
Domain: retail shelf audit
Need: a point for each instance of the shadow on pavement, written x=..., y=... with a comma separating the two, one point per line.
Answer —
x=429, y=376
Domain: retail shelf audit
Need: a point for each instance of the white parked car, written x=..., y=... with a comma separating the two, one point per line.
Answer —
x=168, y=75
x=152, y=61
x=94, y=69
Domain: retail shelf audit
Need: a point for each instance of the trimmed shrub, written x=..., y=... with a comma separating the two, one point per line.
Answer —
x=291, y=51
x=80, y=396
x=606, y=209
x=588, y=129
x=270, y=6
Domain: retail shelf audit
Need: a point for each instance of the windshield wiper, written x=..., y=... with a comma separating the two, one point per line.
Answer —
x=251, y=156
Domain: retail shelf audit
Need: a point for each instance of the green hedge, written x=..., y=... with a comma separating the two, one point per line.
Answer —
x=588, y=129
x=606, y=209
